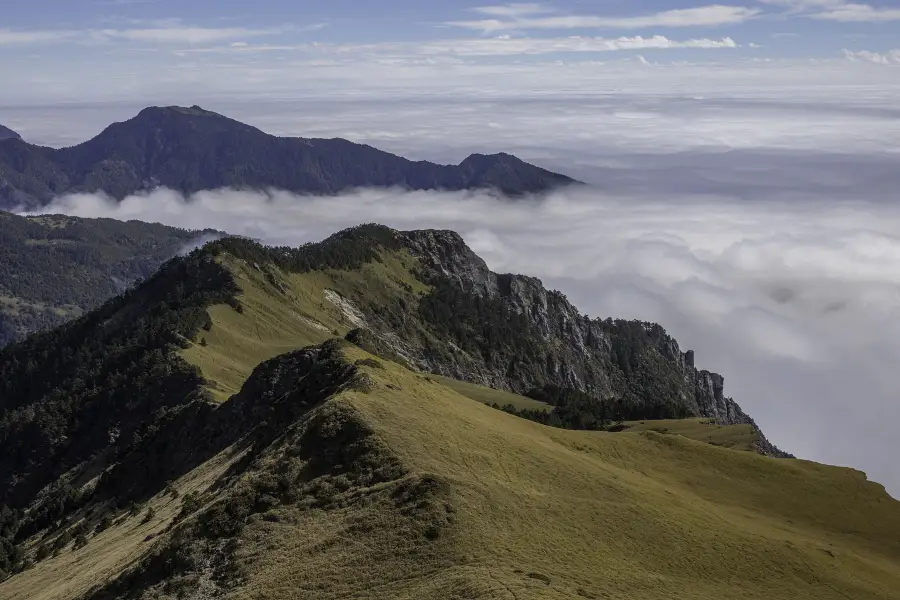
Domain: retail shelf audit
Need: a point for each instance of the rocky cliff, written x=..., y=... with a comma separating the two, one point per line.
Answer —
x=615, y=360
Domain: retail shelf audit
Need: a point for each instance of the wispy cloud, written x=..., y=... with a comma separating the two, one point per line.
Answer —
x=514, y=10
x=10, y=37
x=123, y=2
x=166, y=33
x=497, y=46
x=837, y=10
x=859, y=13
x=891, y=57
x=521, y=19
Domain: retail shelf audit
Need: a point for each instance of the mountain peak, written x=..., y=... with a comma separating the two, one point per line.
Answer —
x=501, y=169
x=193, y=111
x=190, y=149
x=8, y=134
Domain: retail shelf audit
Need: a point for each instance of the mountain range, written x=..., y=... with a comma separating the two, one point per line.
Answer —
x=368, y=417
x=191, y=149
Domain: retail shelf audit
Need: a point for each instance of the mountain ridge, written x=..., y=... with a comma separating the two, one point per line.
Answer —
x=6, y=134
x=261, y=422
x=192, y=149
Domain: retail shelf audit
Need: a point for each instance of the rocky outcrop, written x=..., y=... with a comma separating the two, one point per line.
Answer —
x=636, y=362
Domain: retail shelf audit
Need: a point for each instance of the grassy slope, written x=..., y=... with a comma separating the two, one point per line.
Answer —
x=636, y=515
x=736, y=437
x=601, y=515
x=73, y=572
x=487, y=395
x=275, y=321
x=531, y=511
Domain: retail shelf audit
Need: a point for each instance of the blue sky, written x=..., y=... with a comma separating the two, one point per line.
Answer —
x=784, y=28
x=68, y=50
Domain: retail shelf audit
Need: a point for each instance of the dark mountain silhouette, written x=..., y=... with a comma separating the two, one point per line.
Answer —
x=6, y=134
x=191, y=149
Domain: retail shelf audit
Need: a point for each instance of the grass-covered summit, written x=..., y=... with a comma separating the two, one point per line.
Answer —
x=257, y=422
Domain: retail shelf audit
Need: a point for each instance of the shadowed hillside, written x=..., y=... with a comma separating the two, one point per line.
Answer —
x=54, y=268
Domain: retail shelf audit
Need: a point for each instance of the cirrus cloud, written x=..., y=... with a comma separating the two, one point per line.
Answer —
x=703, y=16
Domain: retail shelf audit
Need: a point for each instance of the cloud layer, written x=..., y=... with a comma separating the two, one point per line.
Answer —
x=530, y=16
x=797, y=304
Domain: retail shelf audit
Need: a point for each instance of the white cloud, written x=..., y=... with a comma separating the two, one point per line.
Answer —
x=704, y=16
x=837, y=10
x=9, y=37
x=503, y=45
x=517, y=46
x=859, y=13
x=170, y=34
x=185, y=35
x=514, y=10
x=794, y=303
x=891, y=57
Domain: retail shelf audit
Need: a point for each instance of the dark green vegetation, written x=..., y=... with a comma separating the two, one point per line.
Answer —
x=54, y=268
x=190, y=149
x=8, y=134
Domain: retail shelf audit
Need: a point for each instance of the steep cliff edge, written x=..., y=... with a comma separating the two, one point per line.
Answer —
x=610, y=359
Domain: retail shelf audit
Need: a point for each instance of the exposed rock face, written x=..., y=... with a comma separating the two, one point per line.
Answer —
x=585, y=352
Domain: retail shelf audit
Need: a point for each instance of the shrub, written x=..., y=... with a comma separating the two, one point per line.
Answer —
x=105, y=523
x=80, y=542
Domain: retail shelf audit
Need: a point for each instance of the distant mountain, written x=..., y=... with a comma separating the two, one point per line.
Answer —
x=8, y=134
x=191, y=149
x=54, y=268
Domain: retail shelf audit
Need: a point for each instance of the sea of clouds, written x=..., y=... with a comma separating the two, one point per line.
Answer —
x=754, y=214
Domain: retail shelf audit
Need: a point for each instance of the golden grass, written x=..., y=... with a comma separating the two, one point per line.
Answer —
x=73, y=572
x=489, y=396
x=276, y=320
x=736, y=437
x=633, y=515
